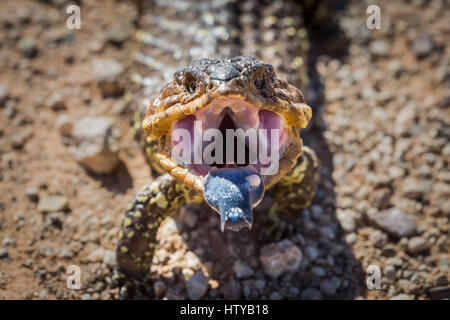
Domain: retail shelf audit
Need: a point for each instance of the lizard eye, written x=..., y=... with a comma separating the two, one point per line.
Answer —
x=259, y=83
x=192, y=86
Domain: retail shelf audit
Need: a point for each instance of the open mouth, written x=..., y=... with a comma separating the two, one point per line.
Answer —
x=229, y=133
x=232, y=144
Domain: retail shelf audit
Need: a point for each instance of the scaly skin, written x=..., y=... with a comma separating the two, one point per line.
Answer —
x=292, y=188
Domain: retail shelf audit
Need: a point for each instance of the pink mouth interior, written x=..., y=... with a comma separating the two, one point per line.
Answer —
x=232, y=113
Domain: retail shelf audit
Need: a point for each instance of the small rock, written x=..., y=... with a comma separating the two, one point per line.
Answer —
x=7, y=241
x=241, y=270
x=169, y=226
x=311, y=253
x=318, y=271
x=110, y=259
x=86, y=296
x=389, y=272
x=197, y=285
x=3, y=253
x=423, y=45
x=107, y=73
x=394, y=261
x=18, y=140
x=191, y=260
x=27, y=47
x=55, y=219
x=378, y=238
x=389, y=250
x=417, y=244
x=439, y=292
x=66, y=253
x=117, y=35
x=394, y=222
x=43, y=294
x=97, y=255
x=402, y=296
x=381, y=198
x=53, y=203
x=56, y=101
x=32, y=194
x=379, y=48
x=64, y=125
x=279, y=258
x=311, y=294
x=414, y=189
x=3, y=94
x=96, y=144
x=159, y=288
x=275, y=296
x=328, y=287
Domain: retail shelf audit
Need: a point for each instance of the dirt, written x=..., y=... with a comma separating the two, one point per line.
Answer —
x=366, y=90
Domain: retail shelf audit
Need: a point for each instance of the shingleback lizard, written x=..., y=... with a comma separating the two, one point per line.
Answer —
x=229, y=90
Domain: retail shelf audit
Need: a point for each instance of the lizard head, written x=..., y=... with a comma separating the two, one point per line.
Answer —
x=230, y=129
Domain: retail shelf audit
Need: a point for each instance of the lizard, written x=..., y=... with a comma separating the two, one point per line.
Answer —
x=230, y=90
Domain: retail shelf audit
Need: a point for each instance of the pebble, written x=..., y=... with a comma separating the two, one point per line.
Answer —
x=96, y=144
x=311, y=294
x=423, y=45
x=64, y=125
x=394, y=261
x=27, y=47
x=56, y=101
x=378, y=238
x=191, y=260
x=279, y=258
x=53, y=203
x=388, y=250
x=18, y=140
x=108, y=73
x=7, y=241
x=117, y=35
x=417, y=245
x=97, y=255
x=379, y=48
x=3, y=94
x=328, y=287
x=197, y=285
x=439, y=292
x=159, y=288
x=403, y=296
x=66, y=253
x=110, y=259
x=241, y=270
x=86, y=296
x=395, y=222
x=32, y=194
x=389, y=272
x=318, y=271
x=3, y=253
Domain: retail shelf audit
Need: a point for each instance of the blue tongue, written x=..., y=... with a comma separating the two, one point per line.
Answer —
x=233, y=192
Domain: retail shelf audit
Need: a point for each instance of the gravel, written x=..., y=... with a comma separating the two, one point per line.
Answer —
x=108, y=73
x=417, y=245
x=53, y=203
x=395, y=222
x=96, y=144
x=279, y=258
x=197, y=285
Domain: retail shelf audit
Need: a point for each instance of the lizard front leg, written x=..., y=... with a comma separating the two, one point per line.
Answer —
x=294, y=192
x=137, y=237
